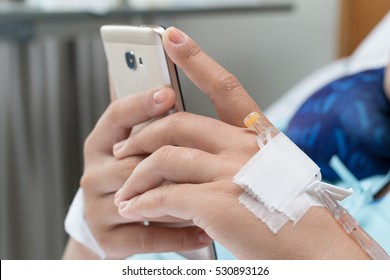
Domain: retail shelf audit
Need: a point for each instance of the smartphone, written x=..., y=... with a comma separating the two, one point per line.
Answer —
x=137, y=62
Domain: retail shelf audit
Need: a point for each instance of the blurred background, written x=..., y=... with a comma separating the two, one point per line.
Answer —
x=53, y=84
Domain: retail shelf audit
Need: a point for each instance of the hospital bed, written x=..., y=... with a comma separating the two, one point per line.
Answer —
x=372, y=214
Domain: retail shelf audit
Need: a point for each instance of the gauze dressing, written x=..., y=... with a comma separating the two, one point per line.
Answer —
x=276, y=178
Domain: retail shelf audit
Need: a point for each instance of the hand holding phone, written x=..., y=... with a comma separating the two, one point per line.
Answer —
x=137, y=63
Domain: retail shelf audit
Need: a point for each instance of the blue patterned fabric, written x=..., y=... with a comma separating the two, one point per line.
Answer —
x=350, y=118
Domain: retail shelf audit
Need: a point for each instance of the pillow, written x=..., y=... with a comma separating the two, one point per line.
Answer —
x=348, y=118
x=373, y=52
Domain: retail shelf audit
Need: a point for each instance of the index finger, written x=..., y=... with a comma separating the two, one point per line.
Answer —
x=123, y=114
x=230, y=99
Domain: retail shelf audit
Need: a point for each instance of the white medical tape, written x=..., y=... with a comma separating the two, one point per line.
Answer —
x=275, y=220
x=275, y=180
x=76, y=225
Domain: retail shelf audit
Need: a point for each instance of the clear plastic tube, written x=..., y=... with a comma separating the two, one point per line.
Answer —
x=351, y=226
x=265, y=129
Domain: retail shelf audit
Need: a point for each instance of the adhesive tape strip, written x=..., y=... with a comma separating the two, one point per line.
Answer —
x=277, y=173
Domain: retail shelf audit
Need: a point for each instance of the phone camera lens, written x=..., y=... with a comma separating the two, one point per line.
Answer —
x=130, y=60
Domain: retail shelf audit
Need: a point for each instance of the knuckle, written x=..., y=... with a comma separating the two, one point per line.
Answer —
x=146, y=240
x=164, y=155
x=188, y=155
x=192, y=52
x=127, y=166
x=181, y=240
x=227, y=190
x=88, y=144
x=144, y=103
x=111, y=114
x=227, y=83
x=88, y=180
x=162, y=198
x=178, y=120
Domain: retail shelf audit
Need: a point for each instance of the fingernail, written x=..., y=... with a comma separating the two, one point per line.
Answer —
x=204, y=238
x=160, y=96
x=176, y=36
x=118, y=146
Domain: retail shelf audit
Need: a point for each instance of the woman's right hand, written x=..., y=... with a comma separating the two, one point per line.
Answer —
x=104, y=175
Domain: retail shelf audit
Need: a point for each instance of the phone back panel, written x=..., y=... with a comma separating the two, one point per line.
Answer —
x=150, y=67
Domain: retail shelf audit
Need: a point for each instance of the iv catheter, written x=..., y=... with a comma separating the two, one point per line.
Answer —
x=266, y=132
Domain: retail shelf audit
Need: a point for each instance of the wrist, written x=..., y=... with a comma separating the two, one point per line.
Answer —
x=319, y=236
x=316, y=236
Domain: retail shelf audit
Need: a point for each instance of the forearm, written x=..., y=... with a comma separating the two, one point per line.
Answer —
x=77, y=251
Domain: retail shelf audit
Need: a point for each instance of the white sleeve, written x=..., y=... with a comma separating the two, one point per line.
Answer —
x=76, y=225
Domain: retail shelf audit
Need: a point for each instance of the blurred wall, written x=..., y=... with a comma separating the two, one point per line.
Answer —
x=358, y=17
x=268, y=52
x=53, y=89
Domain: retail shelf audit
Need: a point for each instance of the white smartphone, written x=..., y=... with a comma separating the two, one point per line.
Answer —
x=137, y=62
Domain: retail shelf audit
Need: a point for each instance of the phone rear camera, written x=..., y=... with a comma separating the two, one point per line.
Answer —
x=130, y=60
